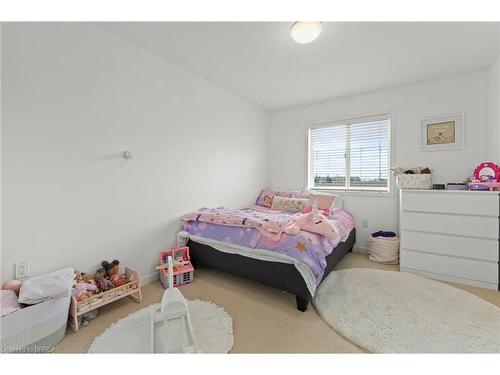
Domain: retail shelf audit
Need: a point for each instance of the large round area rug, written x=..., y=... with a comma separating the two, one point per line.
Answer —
x=212, y=329
x=398, y=312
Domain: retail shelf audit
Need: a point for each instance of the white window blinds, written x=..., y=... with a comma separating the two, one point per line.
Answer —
x=351, y=155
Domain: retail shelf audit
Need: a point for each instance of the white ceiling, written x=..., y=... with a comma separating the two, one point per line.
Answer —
x=260, y=62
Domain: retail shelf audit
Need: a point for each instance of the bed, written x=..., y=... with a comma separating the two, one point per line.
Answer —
x=282, y=276
x=216, y=240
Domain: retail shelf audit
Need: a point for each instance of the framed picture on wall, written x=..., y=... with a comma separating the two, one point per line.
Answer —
x=442, y=133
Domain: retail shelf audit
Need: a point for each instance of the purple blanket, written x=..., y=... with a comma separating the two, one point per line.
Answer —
x=308, y=248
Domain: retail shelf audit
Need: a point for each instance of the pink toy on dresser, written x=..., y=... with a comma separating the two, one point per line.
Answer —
x=487, y=177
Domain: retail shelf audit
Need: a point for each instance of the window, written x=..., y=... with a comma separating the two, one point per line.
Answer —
x=351, y=155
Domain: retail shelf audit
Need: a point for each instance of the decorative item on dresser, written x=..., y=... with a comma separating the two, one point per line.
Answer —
x=451, y=235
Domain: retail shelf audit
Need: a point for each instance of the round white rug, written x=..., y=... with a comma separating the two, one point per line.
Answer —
x=212, y=328
x=398, y=312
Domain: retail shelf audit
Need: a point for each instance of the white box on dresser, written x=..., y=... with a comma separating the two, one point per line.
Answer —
x=451, y=235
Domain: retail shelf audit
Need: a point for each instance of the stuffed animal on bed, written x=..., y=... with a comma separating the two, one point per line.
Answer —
x=316, y=222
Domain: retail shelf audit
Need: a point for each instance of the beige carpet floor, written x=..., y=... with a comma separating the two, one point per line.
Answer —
x=265, y=320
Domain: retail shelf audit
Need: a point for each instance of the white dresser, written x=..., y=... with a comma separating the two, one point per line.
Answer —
x=451, y=235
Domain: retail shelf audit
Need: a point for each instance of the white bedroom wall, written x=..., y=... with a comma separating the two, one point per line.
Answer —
x=74, y=97
x=494, y=110
x=465, y=94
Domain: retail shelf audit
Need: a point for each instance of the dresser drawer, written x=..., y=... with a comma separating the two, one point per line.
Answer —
x=451, y=245
x=451, y=202
x=460, y=225
x=449, y=266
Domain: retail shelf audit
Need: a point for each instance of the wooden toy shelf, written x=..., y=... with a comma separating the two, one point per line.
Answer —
x=98, y=300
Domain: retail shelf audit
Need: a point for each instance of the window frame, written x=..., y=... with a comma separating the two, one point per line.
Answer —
x=347, y=188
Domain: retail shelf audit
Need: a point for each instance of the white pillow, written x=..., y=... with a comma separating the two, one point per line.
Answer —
x=337, y=203
x=50, y=285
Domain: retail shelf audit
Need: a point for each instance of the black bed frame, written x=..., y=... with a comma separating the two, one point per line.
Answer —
x=278, y=275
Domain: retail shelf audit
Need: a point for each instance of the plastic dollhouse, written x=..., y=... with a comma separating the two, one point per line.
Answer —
x=183, y=271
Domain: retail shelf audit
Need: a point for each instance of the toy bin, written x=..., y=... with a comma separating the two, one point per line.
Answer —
x=183, y=272
x=414, y=181
x=36, y=328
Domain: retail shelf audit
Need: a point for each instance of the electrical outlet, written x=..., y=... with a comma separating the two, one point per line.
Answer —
x=364, y=223
x=22, y=270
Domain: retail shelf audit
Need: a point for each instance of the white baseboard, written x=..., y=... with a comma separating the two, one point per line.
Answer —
x=149, y=278
x=360, y=249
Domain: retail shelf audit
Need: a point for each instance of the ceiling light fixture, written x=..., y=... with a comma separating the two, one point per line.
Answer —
x=306, y=32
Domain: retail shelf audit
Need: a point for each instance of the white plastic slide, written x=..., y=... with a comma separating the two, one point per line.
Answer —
x=173, y=332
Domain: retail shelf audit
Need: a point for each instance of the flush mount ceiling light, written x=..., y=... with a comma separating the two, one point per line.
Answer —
x=306, y=32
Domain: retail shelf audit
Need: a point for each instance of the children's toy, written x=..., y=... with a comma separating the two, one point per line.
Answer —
x=83, y=290
x=487, y=177
x=14, y=285
x=104, y=284
x=102, y=281
x=83, y=320
x=316, y=222
x=99, y=274
x=111, y=268
x=488, y=171
x=173, y=330
x=89, y=279
x=117, y=280
x=183, y=271
x=131, y=288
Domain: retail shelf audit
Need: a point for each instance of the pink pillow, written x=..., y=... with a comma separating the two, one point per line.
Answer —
x=324, y=202
x=300, y=194
x=8, y=302
x=266, y=197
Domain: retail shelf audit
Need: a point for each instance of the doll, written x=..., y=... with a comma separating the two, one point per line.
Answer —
x=111, y=268
x=117, y=280
x=14, y=285
x=101, y=281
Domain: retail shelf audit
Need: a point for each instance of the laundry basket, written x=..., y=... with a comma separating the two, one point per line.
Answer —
x=383, y=249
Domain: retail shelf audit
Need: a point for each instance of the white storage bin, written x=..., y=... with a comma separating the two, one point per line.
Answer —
x=383, y=249
x=414, y=181
x=37, y=328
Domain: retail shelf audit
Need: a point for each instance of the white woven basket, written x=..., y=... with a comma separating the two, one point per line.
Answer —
x=383, y=249
x=414, y=181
